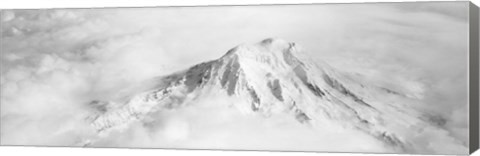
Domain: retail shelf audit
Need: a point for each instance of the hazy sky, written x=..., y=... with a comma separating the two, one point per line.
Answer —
x=76, y=55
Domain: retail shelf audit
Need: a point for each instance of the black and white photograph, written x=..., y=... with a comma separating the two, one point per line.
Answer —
x=355, y=78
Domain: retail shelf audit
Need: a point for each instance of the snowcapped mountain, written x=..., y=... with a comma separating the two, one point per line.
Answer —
x=273, y=77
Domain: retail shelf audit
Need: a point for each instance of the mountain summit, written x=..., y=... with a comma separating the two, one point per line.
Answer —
x=273, y=78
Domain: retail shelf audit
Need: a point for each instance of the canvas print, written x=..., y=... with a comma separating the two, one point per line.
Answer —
x=367, y=77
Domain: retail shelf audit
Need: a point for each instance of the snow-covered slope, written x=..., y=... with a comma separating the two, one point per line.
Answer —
x=273, y=77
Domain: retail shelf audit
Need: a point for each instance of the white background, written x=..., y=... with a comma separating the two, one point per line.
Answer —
x=23, y=4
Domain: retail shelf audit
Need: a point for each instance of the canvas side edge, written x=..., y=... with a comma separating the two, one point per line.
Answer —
x=473, y=78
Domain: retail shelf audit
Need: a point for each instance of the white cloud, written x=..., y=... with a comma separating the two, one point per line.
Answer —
x=212, y=124
x=7, y=16
x=60, y=62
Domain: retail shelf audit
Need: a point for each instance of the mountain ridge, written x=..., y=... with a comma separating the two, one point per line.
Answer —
x=270, y=77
